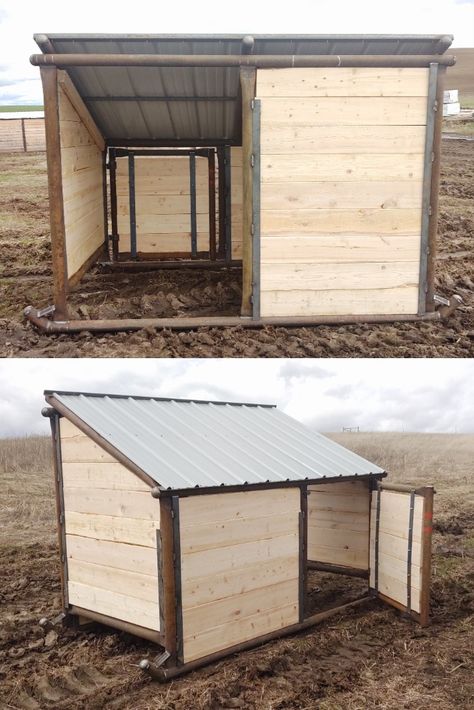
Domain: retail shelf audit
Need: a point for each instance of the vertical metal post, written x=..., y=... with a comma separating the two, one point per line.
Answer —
x=255, y=162
x=192, y=189
x=228, y=203
x=113, y=203
x=377, y=534
x=58, y=484
x=23, y=135
x=177, y=578
x=410, y=548
x=131, y=194
x=248, y=76
x=426, y=210
x=211, y=158
x=104, y=202
x=221, y=194
x=303, y=551
x=428, y=495
x=160, y=573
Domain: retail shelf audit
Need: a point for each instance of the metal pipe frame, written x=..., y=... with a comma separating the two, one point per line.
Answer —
x=163, y=264
x=113, y=204
x=129, y=324
x=211, y=158
x=192, y=194
x=131, y=194
x=255, y=163
x=228, y=204
x=338, y=569
x=140, y=631
x=266, y=61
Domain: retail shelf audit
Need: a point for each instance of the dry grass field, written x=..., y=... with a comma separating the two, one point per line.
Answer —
x=25, y=278
x=461, y=75
x=371, y=658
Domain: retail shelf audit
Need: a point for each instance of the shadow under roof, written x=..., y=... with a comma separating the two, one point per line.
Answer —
x=193, y=105
x=183, y=444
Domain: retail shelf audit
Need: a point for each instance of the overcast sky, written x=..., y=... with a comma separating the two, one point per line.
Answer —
x=20, y=19
x=376, y=395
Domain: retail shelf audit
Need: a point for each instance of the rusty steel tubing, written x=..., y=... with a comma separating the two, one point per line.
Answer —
x=128, y=324
x=165, y=674
x=242, y=60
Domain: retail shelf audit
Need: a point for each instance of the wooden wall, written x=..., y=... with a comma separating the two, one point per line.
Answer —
x=393, y=546
x=239, y=567
x=236, y=191
x=81, y=164
x=338, y=524
x=11, y=135
x=111, y=521
x=162, y=199
x=341, y=188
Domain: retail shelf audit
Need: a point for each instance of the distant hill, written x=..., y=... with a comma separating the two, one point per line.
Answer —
x=461, y=75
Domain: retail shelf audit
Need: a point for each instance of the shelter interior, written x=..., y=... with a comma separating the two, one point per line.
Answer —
x=305, y=184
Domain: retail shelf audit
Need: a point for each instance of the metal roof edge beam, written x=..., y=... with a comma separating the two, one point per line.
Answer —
x=74, y=97
x=227, y=60
x=44, y=43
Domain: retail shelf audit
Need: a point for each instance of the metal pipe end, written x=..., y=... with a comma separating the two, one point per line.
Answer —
x=248, y=43
x=454, y=302
x=144, y=664
x=28, y=310
x=47, y=412
x=43, y=621
x=156, y=492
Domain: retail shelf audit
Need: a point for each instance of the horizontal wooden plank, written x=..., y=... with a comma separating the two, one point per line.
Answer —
x=76, y=447
x=200, y=619
x=396, y=546
x=397, y=590
x=152, y=205
x=129, y=582
x=350, y=302
x=313, y=139
x=337, y=195
x=224, y=559
x=112, y=554
x=210, y=587
x=73, y=134
x=394, y=513
x=344, y=557
x=199, y=510
x=35, y=134
x=169, y=166
x=344, y=111
x=78, y=158
x=348, y=222
x=221, y=637
x=323, y=277
x=234, y=532
x=338, y=249
x=356, y=487
x=342, y=503
x=337, y=538
x=335, y=520
x=163, y=223
x=164, y=242
x=129, y=504
x=342, y=81
x=343, y=167
x=98, y=475
x=112, y=603
x=396, y=568
x=132, y=531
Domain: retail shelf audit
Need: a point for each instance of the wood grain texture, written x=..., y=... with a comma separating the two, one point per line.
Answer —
x=349, y=222
x=236, y=198
x=113, y=603
x=352, y=250
x=343, y=81
x=239, y=567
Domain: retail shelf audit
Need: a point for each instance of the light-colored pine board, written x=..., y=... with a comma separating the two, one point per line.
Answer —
x=162, y=223
x=211, y=587
x=164, y=242
x=338, y=249
x=129, y=583
x=396, y=546
x=11, y=138
x=112, y=554
x=355, y=302
x=129, y=504
x=235, y=532
x=77, y=158
x=340, y=195
x=76, y=447
x=313, y=139
x=326, y=501
x=98, y=475
x=169, y=166
x=221, y=637
x=35, y=134
x=344, y=111
x=151, y=205
x=199, y=619
x=396, y=568
x=72, y=136
x=324, y=277
x=112, y=603
x=397, y=590
x=342, y=81
x=356, y=487
x=200, y=510
x=133, y=531
x=335, y=520
x=344, y=167
x=344, y=557
x=348, y=222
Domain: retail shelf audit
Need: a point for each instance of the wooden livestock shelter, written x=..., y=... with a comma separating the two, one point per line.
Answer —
x=311, y=160
x=22, y=132
x=193, y=524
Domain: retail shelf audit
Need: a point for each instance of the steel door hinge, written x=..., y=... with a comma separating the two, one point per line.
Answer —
x=252, y=160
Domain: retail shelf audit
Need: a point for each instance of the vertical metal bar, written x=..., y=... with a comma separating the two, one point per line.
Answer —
x=228, y=203
x=248, y=77
x=131, y=194
x=428, y=495
x=113, y=203
x=221, y=193
x=303, y=551
x=159, y=570
x=377, y=534
x=104, y=202
x=256, y=110
x=177, y=578
x=211, y=158
x=192, y=189
x=58, y=483
x=432, y=108
x=410, y=548
x=23, y=135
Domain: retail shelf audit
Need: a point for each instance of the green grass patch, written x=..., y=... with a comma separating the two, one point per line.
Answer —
x=8, y=109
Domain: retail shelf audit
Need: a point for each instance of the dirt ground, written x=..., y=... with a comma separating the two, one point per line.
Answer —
x=368, y=658
x=25, y=278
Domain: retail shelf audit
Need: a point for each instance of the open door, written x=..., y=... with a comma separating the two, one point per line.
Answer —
x=400, y=547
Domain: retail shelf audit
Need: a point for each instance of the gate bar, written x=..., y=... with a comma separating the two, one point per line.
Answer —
x=192, y=186
x=133, y=219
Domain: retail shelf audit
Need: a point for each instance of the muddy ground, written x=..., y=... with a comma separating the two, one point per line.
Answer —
x=25, y=278
x=368, y=658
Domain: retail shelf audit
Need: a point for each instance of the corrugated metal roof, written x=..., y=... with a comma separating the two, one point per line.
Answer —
x=190, y=443
x=195, y=104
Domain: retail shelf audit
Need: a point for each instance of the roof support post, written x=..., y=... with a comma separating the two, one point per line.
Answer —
x=248, y=77
x=170, y=566
x=49, y=79
x=192, y=192
x=131, y=195
x=113, y=204
x=211, y=158
x=58, y=486
x=303, y=551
